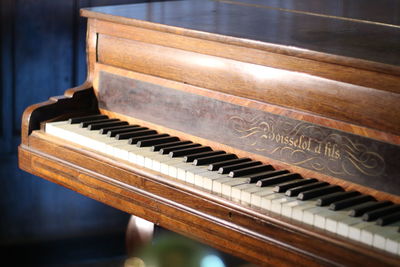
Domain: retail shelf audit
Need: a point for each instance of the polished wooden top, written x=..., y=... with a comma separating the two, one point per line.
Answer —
x=352, y=28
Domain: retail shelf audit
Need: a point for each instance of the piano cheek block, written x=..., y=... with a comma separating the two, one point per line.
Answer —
x=275, y=152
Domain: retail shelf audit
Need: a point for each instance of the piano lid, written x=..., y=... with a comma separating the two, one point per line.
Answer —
x=351, y=29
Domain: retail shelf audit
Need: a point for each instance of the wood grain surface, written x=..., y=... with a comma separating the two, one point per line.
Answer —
x=263, y=83
x=230, y=21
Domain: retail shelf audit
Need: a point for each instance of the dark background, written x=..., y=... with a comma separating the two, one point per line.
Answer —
x=42, y=55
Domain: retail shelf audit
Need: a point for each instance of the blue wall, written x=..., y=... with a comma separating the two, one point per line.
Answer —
x=42, y=54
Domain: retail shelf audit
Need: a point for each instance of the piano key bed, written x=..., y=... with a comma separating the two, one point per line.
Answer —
x=349, y=214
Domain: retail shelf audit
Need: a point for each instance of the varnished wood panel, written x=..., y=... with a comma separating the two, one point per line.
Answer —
x=323, y=34
x=344, y=70
x=285, y=88
x=365, y=12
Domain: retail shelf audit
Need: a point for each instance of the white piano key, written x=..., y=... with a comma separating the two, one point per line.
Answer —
x=217, y=184
x=173, y=169
x=208, y=179
x=198, y=178
x=236, y=192
x=356, y=229
x=122, y=151
x=343, y=226
x=267, y=201
x=97, y=142
x=49, y=125
x=298, y=210
x=191, y=173
x=257, y=196
x=53, y=127
x=367, y=233
x=331, y=222
x=393, y=245
x=334, y=221
x=182, y=170
x=149, y=159
x=280, y=201
x=245, y=195
x=320, y=217
x=109, y=147
x=141, y=154
x=227, y=187
x=158, y=160
x=84, y=137
x=132, y=153
x=70, y=132
x=386, y=239
x=379, y=241
x=180, y=167
x=166, y=165
x=205, y=179
x=288, y=208
x=317, y=215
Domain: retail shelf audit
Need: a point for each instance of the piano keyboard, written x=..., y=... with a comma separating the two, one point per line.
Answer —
x=346, y=213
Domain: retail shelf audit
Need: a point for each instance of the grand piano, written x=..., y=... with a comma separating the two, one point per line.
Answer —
x=267, y=129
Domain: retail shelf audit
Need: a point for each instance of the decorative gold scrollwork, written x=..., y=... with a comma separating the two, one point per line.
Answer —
x=308, y=145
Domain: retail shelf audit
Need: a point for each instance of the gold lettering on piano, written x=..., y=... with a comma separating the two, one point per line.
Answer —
x=308, y=145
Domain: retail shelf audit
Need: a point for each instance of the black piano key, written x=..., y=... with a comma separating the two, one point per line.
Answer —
x=250, y=170
x=216, y=166
x=156, y=148
x=188, y=151
x=286, y=186
x=229, y=168
x=87, y=118
x=213, y=159
x=276, y=177
x=132, y=134
x=134, y=140
x=98, y=126
x=107, y=129
x=156, y=141
x=297, y=190
x=167, y=150
x=319, y=192
x=342, y=204
x=254, y=178
x=368, y=206
x=133, y=128
x=328, y=199
x=87, y=123
x=376, y=214
x=388, y=219
x=191, y=158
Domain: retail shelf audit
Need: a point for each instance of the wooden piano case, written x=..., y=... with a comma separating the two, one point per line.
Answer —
x=333, y=117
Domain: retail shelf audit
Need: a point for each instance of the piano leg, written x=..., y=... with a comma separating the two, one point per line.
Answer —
x=139, y=233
